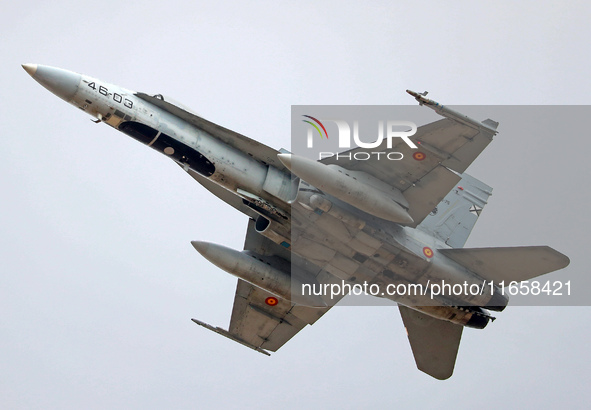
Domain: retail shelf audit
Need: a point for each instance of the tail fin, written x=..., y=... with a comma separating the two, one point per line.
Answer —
x=453, y=219
x=434, y=342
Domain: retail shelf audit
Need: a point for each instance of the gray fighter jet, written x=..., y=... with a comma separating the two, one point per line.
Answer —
x=319, y=229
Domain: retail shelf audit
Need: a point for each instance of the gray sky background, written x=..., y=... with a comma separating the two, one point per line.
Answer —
x=99, y=279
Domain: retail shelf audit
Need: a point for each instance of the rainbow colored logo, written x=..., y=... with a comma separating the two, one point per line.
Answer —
x=316, y=126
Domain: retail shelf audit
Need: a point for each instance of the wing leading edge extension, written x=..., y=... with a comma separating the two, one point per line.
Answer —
x=257, y=150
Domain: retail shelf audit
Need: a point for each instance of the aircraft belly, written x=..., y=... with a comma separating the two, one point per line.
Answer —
x=350, y=251
x=376, y=261
x=383, y=255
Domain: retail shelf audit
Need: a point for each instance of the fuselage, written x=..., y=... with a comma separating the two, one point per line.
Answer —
x=310, y=223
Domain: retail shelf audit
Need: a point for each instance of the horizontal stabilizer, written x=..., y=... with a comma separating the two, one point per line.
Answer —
x=434, y=342
x=508, y=264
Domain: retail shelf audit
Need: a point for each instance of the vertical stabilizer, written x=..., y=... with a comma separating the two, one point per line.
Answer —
x=453, y=219
x=434, y=342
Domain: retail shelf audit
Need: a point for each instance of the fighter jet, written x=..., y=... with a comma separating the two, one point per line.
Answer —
x=395, y=227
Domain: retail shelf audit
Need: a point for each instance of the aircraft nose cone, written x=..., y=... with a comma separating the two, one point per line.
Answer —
x=62, y=83
x=30, y=68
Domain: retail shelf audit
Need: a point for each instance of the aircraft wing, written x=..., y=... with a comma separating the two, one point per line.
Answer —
x=256, y=323
x=267, y=327
x=426, y=174
x=434, y=342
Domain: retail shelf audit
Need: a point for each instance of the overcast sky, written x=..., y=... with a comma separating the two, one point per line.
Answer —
x=99, y=279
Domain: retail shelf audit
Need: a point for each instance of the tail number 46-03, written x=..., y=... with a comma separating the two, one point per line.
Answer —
x=116, y=97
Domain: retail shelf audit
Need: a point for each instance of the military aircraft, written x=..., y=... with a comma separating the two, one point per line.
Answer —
x=398, y=227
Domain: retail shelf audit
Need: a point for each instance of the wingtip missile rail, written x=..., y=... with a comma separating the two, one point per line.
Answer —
x=445, y=111
x=230, y=336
